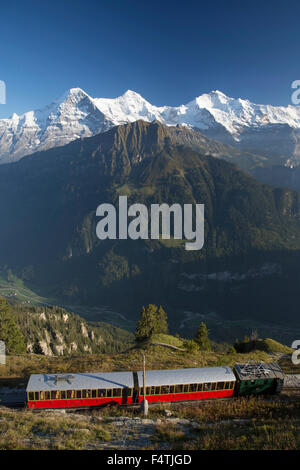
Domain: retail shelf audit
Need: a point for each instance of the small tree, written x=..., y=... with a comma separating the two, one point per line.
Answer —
x=152, y=320
x=202, y=338
x=162, y=325
x=9, y=331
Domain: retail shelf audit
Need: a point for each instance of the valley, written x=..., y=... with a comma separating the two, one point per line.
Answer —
x=182, y=321
x=247, y=270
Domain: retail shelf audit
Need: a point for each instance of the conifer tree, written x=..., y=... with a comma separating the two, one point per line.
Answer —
x=9, y=331
x=162, y=326
x=202, y=338
x=152, y=320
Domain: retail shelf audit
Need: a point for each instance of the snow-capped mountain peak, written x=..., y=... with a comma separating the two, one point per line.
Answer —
x=130, y=94
x=128, y=107
x=73, y=93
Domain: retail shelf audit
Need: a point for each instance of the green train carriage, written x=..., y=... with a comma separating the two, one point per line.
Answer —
x=258, y=379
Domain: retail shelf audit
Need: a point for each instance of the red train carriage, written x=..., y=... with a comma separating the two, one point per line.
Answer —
x=187, y=384
x=79, y=390
x=124, y=388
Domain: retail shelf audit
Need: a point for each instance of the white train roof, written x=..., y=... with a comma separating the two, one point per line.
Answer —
x=81, y=381
x=187, y=376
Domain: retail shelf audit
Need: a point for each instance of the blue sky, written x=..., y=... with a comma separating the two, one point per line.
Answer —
x=167, y=51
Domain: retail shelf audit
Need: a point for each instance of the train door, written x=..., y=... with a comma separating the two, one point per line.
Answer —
x=135, y=395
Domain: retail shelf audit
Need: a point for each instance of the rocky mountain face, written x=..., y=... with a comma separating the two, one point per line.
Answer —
x=269, y=131
x=53, y=331
x=70, y=117
x=48, y=207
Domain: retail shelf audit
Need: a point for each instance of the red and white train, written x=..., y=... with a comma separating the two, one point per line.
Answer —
x=94, y=389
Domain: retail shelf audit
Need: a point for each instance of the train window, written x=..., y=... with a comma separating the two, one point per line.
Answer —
x=41, y=395
x=109, y=393
x=116, y=392
x=30, y=396
x=152, y=390
x=157, y=390
x=89, y=393
x=220, y=385
x=227, y=385
x=172, y=388
x=69, y=394
x=63, y=395
x=213, y=386
x=36, y=395
x=147, y=390
x=185, y=388
x=178, y=388
x=83, y=393
x=47, y=395
x=193, y=387
x=78, y=393
x=102, y=393
x=53, y=395
x=206, y=387
x=165, y=389
x=200, y=388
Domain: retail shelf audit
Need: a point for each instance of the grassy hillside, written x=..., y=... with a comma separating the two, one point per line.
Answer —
x=272, y=346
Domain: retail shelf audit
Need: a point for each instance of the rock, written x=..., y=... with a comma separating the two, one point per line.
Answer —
x=84, y=331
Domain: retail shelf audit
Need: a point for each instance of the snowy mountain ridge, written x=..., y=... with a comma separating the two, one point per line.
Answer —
x=76, y=114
